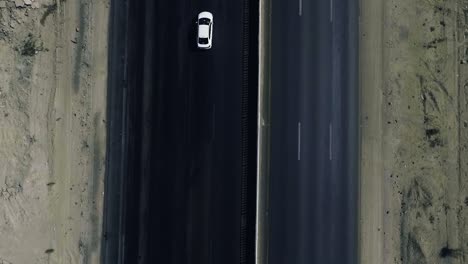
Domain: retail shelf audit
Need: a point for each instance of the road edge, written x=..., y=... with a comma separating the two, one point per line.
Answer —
x=113, y=222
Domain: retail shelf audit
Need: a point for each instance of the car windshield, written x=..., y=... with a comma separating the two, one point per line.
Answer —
x=203, y=40
x=204, y=21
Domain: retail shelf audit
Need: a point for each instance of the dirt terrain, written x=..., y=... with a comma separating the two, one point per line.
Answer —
x=53, y=70
x=414, y=131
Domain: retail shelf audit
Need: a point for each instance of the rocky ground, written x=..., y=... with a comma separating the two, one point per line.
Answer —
x=53, y=70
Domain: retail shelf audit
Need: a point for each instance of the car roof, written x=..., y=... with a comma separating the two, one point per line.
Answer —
x=203, y=31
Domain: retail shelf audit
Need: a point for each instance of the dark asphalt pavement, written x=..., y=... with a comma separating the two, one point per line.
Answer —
x=195, y=132
x=313, y=191
x=193, y=159
x=188, y=189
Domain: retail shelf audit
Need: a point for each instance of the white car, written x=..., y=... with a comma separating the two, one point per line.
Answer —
x=205, y=30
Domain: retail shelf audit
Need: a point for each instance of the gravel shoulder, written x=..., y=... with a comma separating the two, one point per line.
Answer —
x=414, y=132
x=53, y=82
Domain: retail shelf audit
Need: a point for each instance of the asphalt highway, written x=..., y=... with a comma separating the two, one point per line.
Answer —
x=314, y=135
x=195, y=136
x=187, y=192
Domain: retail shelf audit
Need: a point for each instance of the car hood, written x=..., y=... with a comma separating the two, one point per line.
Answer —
x=203, y=31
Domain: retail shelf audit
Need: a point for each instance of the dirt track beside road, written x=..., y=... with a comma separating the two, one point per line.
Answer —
x=53, y=82
x=414, y=170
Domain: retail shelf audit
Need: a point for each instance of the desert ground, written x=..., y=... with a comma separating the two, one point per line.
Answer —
x=414, y=131
x=53, y=81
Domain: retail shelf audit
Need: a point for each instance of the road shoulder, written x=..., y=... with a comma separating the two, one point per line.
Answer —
x=371, y=167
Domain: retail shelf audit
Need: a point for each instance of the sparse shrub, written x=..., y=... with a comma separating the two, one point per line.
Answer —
x=31, y=46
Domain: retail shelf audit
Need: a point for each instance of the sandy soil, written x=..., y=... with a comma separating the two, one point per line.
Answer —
x=414, y=123
x=53, y=70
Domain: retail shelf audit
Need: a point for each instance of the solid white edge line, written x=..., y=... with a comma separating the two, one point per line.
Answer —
x=299, y=141
x=300, y=7
x=330, y=142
